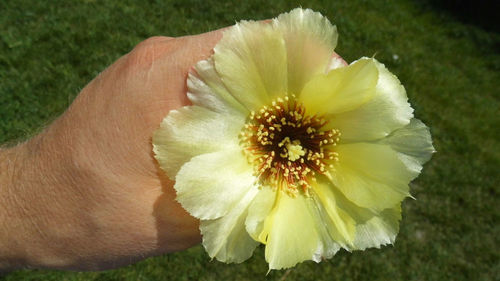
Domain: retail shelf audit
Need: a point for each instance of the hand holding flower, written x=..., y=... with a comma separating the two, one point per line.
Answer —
x=282, y=144
x=86, y=193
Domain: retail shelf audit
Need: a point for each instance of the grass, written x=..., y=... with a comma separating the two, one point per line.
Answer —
x=50, y=50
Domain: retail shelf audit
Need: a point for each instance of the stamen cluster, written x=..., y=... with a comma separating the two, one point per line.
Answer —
x=288, y=147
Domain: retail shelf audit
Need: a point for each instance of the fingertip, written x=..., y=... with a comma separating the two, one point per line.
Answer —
x=338, y=58
x=336, y=61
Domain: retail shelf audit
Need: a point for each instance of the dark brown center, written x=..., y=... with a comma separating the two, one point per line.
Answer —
x=287, y=146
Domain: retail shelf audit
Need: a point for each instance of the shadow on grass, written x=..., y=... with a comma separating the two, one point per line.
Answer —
x=482, y=13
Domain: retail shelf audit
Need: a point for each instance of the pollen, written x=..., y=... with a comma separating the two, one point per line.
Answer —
x=288, y=147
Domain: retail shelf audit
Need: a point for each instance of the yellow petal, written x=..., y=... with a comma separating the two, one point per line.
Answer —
x=387, y=111
x=341, y=226
x=371, y=175
x=190, y=131
x=226, y=238
x=292, y=233
x=310, y=39
x=413, y=140
x=251, y=60
x=261, y=208
x=380, y=229
x=210, y=185
x=371, y=228
x=328, y=246
x=257, y=213
x=205, y=88
x=342, y=89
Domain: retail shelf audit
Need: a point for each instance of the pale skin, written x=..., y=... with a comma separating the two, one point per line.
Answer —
x=86, y=193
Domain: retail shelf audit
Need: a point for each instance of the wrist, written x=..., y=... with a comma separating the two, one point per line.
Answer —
x=12, y=253
x=33, y=184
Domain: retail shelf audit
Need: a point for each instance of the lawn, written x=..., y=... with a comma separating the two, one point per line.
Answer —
x=449, y=65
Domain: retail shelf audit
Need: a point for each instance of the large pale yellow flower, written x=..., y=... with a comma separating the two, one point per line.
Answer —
x=283, y=147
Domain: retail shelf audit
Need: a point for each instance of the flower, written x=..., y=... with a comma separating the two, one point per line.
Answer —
x=283, y=147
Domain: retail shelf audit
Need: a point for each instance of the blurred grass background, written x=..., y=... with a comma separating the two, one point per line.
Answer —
x=444, y=52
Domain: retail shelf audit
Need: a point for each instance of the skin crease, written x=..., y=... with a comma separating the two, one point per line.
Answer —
x=86, y=193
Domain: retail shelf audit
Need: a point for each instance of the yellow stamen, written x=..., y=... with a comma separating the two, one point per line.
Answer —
x=287, y=147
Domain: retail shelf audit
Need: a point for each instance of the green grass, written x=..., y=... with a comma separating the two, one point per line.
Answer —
x=49, y=50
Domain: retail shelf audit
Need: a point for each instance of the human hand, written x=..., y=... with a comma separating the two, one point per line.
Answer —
x=87, y=194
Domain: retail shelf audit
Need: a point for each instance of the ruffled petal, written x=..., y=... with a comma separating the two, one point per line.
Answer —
x=210, y=185
x=251, y=61
x=310, y=39
x=378, y=230
x=371, y=228
x=191, y=131
x=412, y=141
x=387, y=111
x=372, y=175
x=226, y=238
x=292, y=232
x=342, y=89
x=205, y=88
x=328, y=246
x=258, y=211
x=341, y=226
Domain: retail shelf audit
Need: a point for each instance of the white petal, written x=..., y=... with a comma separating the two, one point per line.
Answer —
x=210, y=185
x=310, y=39
x=205, y=88
x=251, y=60
x=190, y=131
x=387, y=111
x=226, y=238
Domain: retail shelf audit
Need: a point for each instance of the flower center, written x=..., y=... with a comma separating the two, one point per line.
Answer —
x=287, y=147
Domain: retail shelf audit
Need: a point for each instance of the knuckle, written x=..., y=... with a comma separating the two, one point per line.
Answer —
x=154, y=40
x=151, y=49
